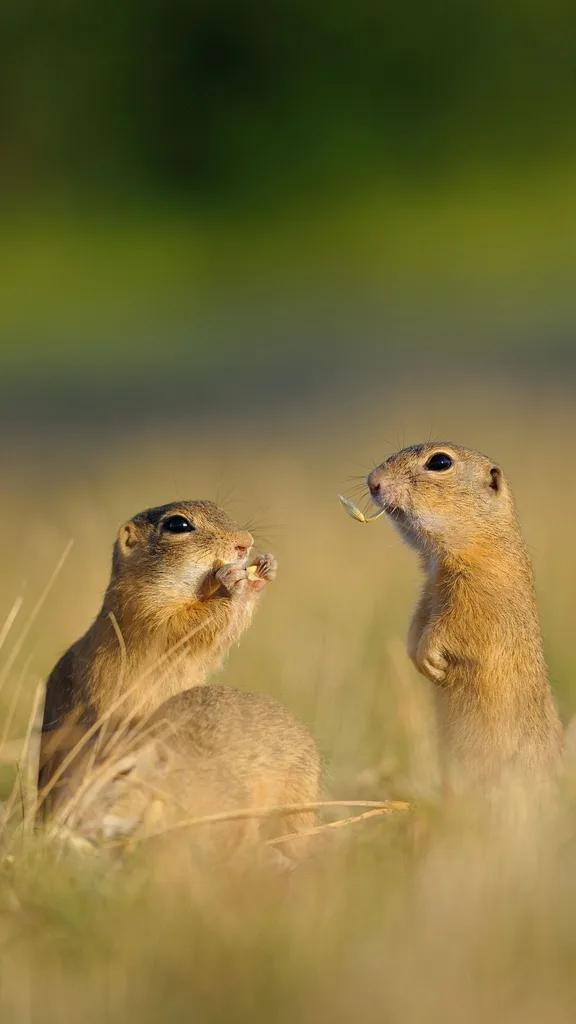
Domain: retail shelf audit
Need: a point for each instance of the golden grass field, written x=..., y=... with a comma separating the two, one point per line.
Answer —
x=396, y=919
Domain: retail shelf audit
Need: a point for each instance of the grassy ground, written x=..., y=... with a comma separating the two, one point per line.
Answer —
x=411, y=920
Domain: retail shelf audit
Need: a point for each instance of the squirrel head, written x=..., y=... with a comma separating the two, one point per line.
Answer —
x=444, y=499
x=170, y=551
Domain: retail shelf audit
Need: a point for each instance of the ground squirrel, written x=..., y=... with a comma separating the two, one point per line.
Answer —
x=179, y=595
x=475, y=632
x=178, y=598
x=212, y=749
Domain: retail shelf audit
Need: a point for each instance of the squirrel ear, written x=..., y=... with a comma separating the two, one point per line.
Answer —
x=127, y=538
x=496, y=478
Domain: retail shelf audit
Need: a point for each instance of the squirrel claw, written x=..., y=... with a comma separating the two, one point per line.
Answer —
x=265, y=568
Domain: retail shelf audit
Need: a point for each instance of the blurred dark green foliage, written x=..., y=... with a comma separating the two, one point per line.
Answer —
x=221, y=98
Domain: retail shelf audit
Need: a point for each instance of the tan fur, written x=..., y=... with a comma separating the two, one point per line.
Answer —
x=167, y=620
x=209, y=750
x=174, y=606
x=475, y=632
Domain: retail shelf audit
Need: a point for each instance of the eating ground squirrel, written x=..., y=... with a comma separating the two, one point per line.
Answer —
x=182, y=590
x=475, y=632
x=178, y=598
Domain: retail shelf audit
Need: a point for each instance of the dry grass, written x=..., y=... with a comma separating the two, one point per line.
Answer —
x=400, y=918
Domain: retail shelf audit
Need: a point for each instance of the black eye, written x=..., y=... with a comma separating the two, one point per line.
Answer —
x=438, y=462
x=177, y=524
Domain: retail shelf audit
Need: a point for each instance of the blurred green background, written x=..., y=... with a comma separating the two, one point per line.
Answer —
x=248, y=250
x=199, y=198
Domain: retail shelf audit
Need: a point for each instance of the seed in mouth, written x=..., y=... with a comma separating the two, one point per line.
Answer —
x=355, y=512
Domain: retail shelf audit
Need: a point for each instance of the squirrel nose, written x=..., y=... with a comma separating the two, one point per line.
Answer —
x=244, y=542
x=374, y=483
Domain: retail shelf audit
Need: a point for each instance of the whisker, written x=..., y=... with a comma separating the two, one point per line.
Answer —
x=226, y=499
x=368, y=506
x=177, y=490
x=359, y=489
x=388, y=442
x=260, y=529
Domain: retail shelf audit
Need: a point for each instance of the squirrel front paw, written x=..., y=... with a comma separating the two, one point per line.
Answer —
x=231, y=577
x=265, y=567
x=431, y=661
x=262, y=571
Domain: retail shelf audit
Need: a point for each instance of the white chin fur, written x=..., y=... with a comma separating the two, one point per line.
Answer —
x=184, y=583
